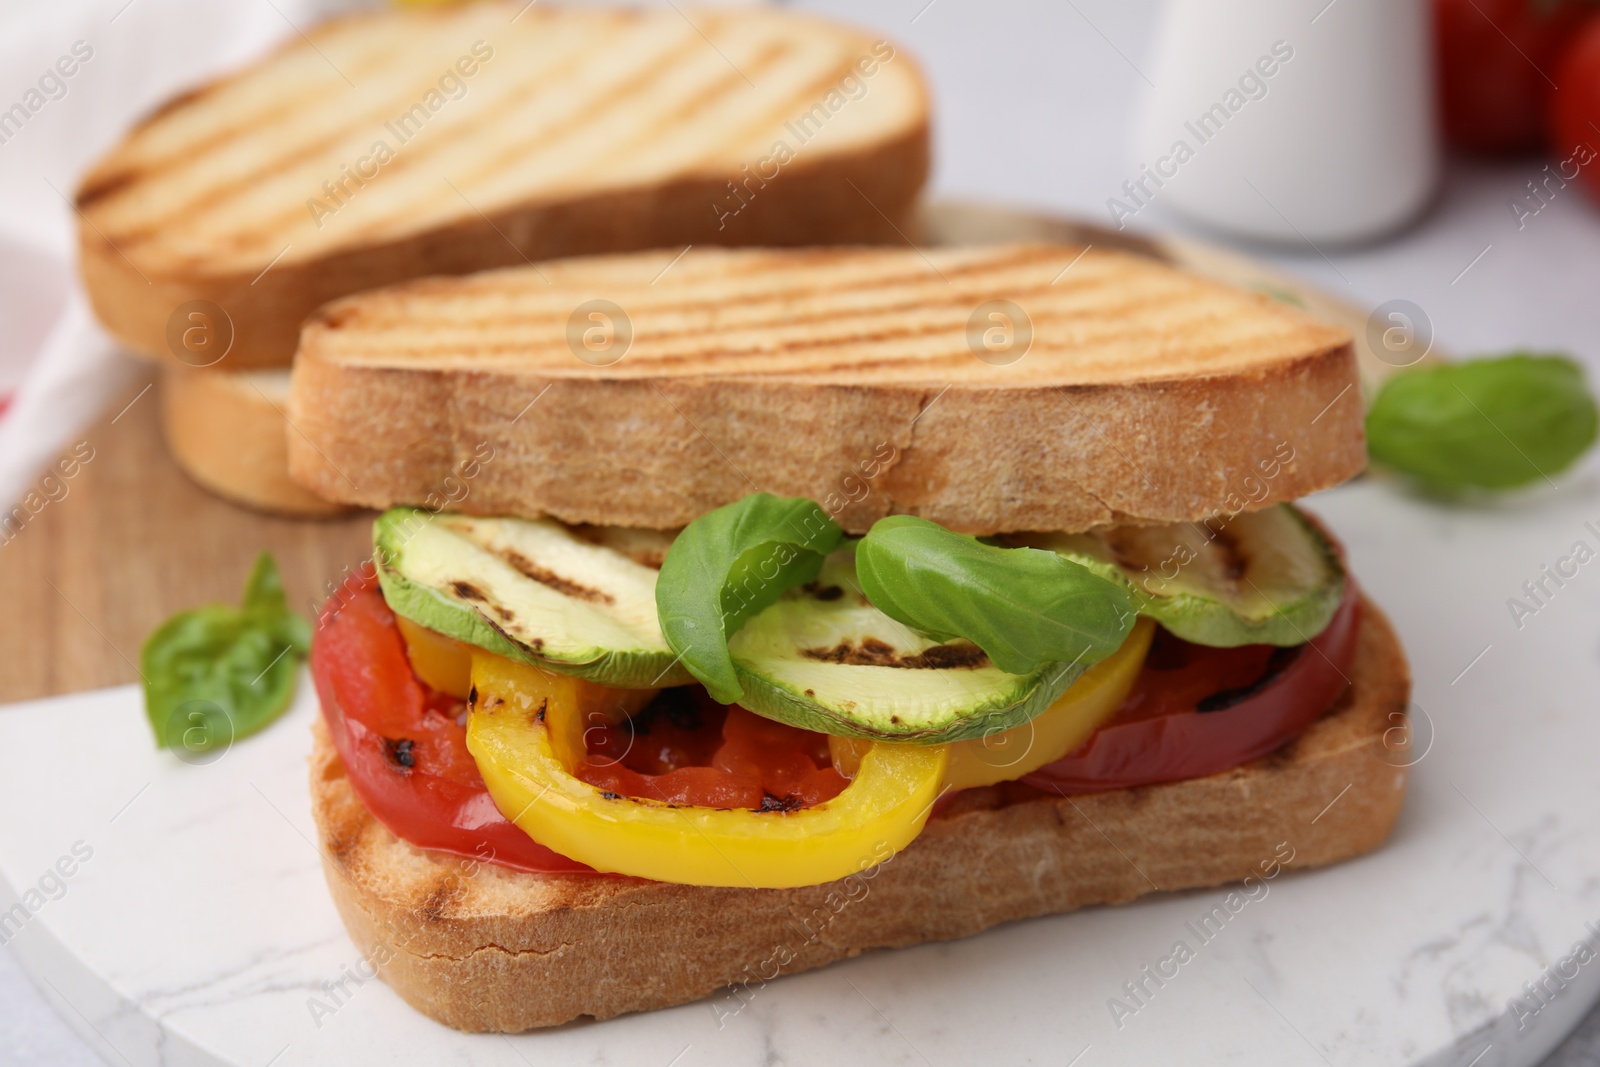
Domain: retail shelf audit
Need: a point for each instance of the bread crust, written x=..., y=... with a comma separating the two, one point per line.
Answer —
x=813, y=204
x=862, y=194
x=227, y=432
x=483, y=948
x=1232, y=402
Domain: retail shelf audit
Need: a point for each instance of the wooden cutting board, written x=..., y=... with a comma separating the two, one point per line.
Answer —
x=134, y=540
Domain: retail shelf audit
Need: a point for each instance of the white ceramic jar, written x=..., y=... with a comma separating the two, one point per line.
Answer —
x=1289, y=120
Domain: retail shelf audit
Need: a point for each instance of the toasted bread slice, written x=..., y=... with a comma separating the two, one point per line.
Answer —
x=396, y=144
x=857, y=377
x=227, y=432
x=479, y=947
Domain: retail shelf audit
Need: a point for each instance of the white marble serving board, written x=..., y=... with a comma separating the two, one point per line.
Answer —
x=199, y=931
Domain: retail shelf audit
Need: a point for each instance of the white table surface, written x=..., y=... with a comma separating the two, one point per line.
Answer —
x=1034, y=105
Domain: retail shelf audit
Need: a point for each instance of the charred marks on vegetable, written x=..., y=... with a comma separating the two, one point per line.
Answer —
x=778, y=804
x=549, y=578
x=1233, y=557
x=487, y=703
x=534, y=645
x=677, y=704
x=1277, y=663
x=874, y=652
x=401, y=753
x=468, y=591
x=1122, y=554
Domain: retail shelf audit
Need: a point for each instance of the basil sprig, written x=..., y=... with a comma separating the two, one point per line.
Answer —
x=219, y=672
x=730, y=564
x=1485, y=424
x=1023, y=606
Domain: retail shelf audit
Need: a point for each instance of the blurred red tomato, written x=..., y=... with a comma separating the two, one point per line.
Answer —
x=1497, y=63
x=1575, y=109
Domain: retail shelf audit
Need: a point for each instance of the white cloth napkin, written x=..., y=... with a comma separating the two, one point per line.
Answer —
x=59, y=368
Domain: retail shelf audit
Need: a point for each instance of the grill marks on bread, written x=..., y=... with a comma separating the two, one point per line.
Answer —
x=858, y=315
x=1134, y=369
x=220, y=178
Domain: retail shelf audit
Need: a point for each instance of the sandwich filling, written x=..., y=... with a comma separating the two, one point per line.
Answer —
x=761, y=701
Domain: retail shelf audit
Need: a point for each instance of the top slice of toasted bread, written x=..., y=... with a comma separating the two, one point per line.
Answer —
x=991, y=389
x=396, y=144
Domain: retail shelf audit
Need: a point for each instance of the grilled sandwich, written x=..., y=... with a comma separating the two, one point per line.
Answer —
x=679, y=663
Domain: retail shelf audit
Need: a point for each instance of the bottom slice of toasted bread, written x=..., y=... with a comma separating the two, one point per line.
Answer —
x=481, y=947
x=228, y=431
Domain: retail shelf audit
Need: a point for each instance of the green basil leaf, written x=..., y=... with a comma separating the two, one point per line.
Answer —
x=1023, y=606
x=730, y=564
x=263, y=590
x=266, y=605
x=1485, y=424
x=217, y=672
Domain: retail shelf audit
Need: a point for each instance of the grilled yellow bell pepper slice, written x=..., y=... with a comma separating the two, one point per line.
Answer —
x=1062, y=727
x=439, y=661
x=526, y=727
